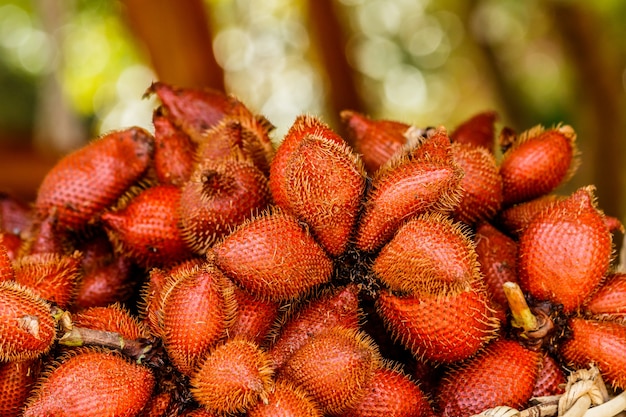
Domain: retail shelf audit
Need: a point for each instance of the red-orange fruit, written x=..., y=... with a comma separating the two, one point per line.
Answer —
x=614, y=224
x=198, y=412
x=273, y=257
x=233, y=377
x=193, y=110
x=17, y=379
x=442, y=327
x=337, y=308
x=254, y=317
x=302, y=127
x=113, y=318
x=600, y=342
x=504, y=373
x=92, y=383
x=286, y=400
x=6, y=268
x=482, y=184
x=610, y=298
x=322, y=182
x=428, y=254
x=478, y=130
x=514, y=219
x=565, y=251
x=146, y=229
x=497, y=257
x=45, y=237
x=391, y=393
x=376, y=140
x=106, y=283
x=197, y=308
x=27, y=329
x=15, y=214
x=334, y=367
x=424, y=180
x=157, y=406
x=87, y=181
x=12, y=244
x=538, y=161
x=217, y=198
x=51, y=276
x=551, y=379
x=173, y=151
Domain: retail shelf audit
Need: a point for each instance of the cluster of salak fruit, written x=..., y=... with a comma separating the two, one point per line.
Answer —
x=201, y=271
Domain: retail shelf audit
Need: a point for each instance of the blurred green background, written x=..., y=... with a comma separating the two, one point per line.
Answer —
x=73, y=69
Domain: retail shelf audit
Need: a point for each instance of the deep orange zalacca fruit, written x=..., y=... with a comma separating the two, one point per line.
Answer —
x=440, y=327
x=197, y=307
x=504, y=373
x=51, y=276
x=146, y=227
x=12, y=244
x=482, y=184
x=538, y=161
x=254, y=317
x=335, y=308
x=92, y=383
x=218, y=197
x=6, y=268
x=600, y=342
x=330, y=208
x=158, y=405
x=610, y=299
x=565, y=251
x=113, y=318
x=173, y=151
x=89, y=180
x=44, y=236
x=105, y=283
x=514, y=219
x=334, y=367
x=425, y=179
x=286, y=400
x=428, y=254
x=391, y=393
x=193, y=110
x=497, y=256
x=233, y=377
x=27, y=329
x=478, y=130
x=551, y=379
x=273, y=257
x=17, y=379
x=376, y=140
x=198, y=412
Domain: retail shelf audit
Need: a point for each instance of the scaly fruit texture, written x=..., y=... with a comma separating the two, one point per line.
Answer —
x=92, y=383
x=84, y=183
x=17, y=379
x=286, y=400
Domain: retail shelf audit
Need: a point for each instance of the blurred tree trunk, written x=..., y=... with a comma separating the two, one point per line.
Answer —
x=177, y=35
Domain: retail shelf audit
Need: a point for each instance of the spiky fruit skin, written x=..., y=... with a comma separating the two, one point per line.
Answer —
x=425, y=180
x=173, y=151
x=478, y=130
x=51, y=276
x=16, y=382
x=338, y=308
x=254, y=318
x=27, y=329
x=428, y=254
x=333, y=368
x=197, y=308
x=84, y=183
x=439, y=327
x=157, y=406
x=233, y=377
x=551, y=379
x=92, y=383
x=113, y=318
x=330, y=208
x=504, y=373
x=600, y=342
x=12, y=244
x=497, y=256
x=554, y=266
x=6, y=268
x=286, y=401
x=390, y=393
x=217, y=198
x=514, y=219
x=146, y=229
x=376, y=140
x=273, y=257
x=610, y=298
x=482, y=184
x=104, y=284
x=537, y=163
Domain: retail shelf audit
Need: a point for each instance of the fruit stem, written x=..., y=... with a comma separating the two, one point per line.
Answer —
x=610, y=408
x=522, y=316
x=81, y=336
